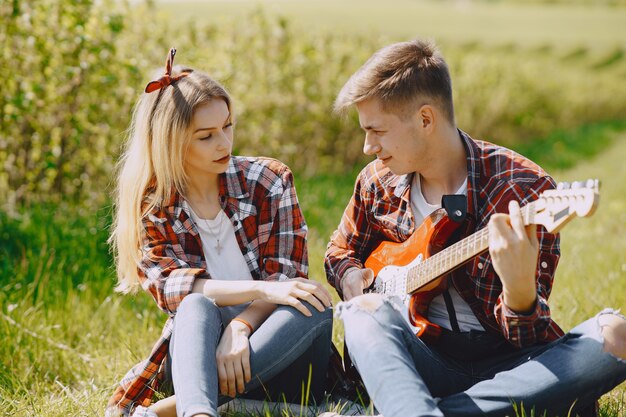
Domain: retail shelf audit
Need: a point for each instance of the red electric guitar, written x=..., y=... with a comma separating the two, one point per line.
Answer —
x=414, y=270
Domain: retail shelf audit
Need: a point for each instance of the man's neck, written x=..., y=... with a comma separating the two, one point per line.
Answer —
x=448, y=168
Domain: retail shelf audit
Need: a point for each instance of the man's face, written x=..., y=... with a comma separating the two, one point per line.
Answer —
x=398, y=143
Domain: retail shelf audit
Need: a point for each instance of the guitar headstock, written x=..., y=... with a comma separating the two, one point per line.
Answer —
x=555, y=208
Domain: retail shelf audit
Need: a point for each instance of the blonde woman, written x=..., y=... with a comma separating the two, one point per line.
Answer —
x=219, y=241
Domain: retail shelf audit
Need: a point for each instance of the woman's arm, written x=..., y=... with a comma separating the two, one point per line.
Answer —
x=291, y=292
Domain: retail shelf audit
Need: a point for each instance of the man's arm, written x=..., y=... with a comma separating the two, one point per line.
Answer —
x=521, y=308
x=349, y=246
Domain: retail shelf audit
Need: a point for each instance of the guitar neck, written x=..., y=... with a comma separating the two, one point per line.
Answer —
x=456, y=255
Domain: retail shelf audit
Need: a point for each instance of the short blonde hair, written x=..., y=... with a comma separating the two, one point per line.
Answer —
x=403, y=76
x=153, y=162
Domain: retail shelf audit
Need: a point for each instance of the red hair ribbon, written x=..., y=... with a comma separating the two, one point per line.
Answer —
x=167, y=79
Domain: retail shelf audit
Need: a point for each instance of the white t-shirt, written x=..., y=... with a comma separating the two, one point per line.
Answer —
x=225, y=263
x=437, y=311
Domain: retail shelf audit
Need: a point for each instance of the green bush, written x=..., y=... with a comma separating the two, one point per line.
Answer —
x=76, y=68
x=64, y=98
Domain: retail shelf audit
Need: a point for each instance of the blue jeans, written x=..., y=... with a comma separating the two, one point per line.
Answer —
x=287, y=339
x=404, y=377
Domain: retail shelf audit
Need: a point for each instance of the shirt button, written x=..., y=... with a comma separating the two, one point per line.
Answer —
x=480, y=265
x=544, y=264
x=236, y=223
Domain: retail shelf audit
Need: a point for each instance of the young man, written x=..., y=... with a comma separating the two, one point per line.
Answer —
x=499, y=348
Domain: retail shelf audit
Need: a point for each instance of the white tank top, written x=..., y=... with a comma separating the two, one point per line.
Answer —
x=437, y=312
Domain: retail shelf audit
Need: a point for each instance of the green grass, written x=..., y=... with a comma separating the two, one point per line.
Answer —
x=66, y=338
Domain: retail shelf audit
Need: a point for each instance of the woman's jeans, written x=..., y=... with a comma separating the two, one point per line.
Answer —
x=405, y=378
x=287, y=339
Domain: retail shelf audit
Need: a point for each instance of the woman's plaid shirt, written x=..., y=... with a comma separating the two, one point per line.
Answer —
x=380, y=210
x=259, y=197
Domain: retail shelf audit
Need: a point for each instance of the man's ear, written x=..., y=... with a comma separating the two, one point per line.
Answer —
x=427, y=117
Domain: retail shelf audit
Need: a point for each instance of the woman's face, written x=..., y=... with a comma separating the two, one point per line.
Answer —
x=211, y=139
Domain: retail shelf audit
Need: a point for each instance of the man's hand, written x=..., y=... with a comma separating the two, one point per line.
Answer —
x=355, y=281
x=514, y=249
x=233, y=359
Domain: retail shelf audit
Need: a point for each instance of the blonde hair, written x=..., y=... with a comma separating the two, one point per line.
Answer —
x=152, y=162
x=403, y=76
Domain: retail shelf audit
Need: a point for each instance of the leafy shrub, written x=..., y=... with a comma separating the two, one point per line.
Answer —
x=76, y=68
x=64, y=100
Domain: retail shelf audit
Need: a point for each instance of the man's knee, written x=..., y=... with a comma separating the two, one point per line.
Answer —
x=613, y=328
x=368, y=302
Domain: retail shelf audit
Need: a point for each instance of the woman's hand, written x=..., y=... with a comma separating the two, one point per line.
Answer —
x=233, y=359
x=292, y=291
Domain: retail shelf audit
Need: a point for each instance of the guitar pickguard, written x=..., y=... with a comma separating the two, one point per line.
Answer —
x=392, y=280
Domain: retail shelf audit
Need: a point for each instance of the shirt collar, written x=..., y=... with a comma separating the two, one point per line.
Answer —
x=232, y=184
x=473, y=170
x=233, y=181
x=403, y=186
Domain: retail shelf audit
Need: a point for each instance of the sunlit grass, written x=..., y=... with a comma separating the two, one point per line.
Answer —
x=66, y=338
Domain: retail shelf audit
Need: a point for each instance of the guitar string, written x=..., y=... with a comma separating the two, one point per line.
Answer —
x=445, y=260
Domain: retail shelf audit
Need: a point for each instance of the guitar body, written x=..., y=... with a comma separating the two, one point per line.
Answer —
x=391, y=261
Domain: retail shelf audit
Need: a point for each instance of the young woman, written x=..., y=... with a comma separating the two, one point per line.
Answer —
x=219, y=241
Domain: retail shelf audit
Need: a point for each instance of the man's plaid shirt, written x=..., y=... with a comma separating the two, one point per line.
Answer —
x=380, y=210
x=259, y=197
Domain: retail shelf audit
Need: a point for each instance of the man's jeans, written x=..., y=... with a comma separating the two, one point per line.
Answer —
x=405, y=378
x=287, y=339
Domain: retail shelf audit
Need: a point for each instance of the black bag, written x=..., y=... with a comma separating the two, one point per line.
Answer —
x=343, y=380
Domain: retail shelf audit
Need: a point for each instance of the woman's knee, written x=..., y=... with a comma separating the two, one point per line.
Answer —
x=197, y=305
x=316, y=315
x=321, y=319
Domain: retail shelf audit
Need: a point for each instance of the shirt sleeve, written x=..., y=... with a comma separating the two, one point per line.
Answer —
x=532, y=327
x=285, y=253
x=352, y=241
x=163, y=271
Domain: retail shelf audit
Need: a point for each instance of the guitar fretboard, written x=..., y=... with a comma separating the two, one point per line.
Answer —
x=456, y=254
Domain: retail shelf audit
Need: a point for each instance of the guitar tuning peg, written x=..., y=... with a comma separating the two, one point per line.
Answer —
x=577, y=184
x=563, y=186
x=593, y=184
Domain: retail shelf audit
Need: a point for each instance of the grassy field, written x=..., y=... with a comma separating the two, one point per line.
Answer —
x=519, y=71
x=66, y=338
x=528, y=25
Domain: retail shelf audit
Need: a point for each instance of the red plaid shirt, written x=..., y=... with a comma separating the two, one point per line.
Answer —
x=259, y=197
x=380, y=210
